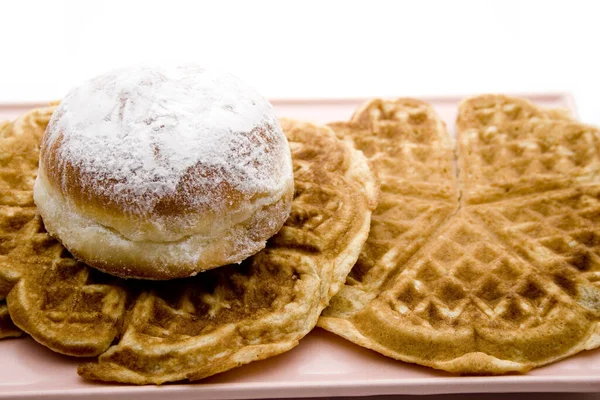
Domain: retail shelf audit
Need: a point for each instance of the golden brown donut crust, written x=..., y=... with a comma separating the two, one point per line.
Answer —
x=230, y=181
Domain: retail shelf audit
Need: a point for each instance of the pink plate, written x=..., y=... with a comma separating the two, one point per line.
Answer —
x=322, y=365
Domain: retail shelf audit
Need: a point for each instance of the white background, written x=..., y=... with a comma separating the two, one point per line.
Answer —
x=312, y=48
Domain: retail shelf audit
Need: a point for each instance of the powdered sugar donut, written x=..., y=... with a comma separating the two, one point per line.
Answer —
x=157, y=174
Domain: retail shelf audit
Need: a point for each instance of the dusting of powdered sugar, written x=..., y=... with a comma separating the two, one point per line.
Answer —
x=134, y=133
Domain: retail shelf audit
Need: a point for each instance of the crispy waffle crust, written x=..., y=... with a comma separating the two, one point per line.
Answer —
x=488, y=270
x=19, y=150
x=155, y=332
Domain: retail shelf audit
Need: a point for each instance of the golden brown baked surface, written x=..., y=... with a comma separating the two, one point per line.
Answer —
x=161, y=331
x=159, y=173
x=488, y=270
x=19, y=150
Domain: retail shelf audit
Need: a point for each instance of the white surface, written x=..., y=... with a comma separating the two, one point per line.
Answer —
x=312, y=48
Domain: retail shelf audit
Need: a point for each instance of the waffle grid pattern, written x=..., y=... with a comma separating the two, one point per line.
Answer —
x=507, y=279
x=154, y=332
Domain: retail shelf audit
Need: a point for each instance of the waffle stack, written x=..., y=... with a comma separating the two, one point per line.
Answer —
x=160, y=331
x=19, y=150
x=497, y=276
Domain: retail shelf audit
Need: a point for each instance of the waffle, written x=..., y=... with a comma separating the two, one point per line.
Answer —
x=501, y=277
x=19, y=142
x=412, y=157
x=154, y=332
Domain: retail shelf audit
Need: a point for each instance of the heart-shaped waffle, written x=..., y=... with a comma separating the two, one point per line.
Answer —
x=490, y=269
